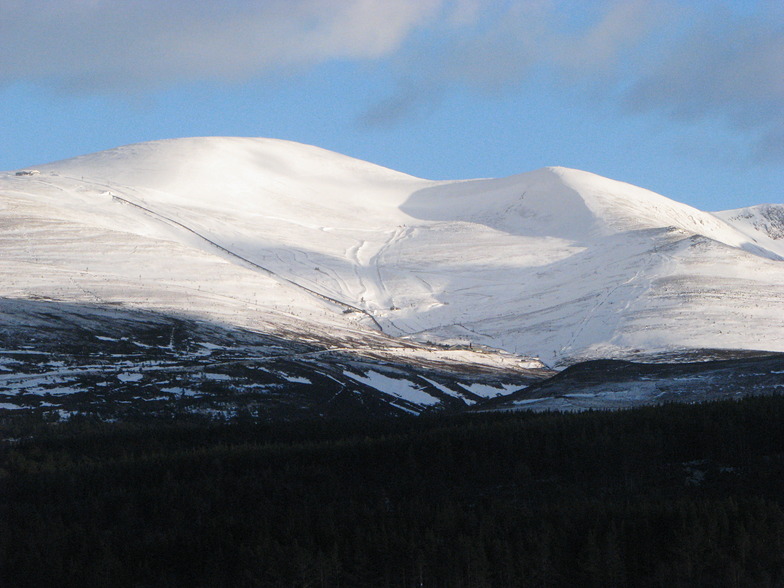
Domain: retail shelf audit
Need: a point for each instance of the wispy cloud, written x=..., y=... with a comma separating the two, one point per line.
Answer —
x=686, y=60
x=505, y=43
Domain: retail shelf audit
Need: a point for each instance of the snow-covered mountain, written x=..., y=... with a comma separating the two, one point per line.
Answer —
x=763, y=224
x=296, y=242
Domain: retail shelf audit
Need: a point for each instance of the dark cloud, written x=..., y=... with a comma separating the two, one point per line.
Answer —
x=405, y=103
x=722, y=67
x=770, y=148
x=716, y=70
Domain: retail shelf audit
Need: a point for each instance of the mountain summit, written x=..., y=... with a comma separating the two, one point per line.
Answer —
x=298, y=242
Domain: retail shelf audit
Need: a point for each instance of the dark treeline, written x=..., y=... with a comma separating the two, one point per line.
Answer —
x=667, y=496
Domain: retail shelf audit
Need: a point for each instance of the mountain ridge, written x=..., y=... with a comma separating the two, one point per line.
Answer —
x=547, y=268
x=395, y=248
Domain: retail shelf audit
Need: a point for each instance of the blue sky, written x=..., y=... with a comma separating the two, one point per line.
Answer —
x=684, y=97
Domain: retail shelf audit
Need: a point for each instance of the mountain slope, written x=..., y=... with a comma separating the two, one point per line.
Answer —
x=295, y=241
x=763, y=224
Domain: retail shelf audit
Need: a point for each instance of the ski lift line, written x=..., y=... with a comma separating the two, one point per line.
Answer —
x=111, y=190
x=249, y=262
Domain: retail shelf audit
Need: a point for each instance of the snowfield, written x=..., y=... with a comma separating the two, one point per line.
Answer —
x=292, y=240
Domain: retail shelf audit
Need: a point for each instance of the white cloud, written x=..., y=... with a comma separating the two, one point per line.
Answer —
x=121, y=44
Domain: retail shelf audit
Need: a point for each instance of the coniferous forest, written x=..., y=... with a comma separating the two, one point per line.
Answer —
x=668, y=496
